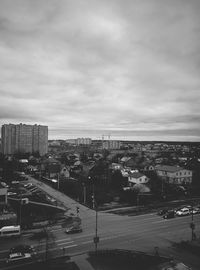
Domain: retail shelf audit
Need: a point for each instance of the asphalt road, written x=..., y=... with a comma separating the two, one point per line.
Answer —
x=143, y=233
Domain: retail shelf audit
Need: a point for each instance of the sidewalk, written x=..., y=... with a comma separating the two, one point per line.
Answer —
x=82, y=262
x=67, y=202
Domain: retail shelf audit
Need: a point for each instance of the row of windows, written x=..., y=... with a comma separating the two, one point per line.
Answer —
x=10, y=232
x=185, y=173
x=178, y=173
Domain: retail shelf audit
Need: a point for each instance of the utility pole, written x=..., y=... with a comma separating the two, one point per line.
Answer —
x=192, y=225
x=46, y=244
x=96, y=239
x=84, y=193
x=94, y=206
x=20, y=211
x=58, y=179
x=23, y=201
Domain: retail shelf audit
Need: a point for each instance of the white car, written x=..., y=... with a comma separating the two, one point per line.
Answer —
x=195, y=211
x=183, y=212
x=16, y=257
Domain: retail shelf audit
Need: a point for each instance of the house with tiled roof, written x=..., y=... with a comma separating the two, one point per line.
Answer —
x=137, y=178
x=174, y=174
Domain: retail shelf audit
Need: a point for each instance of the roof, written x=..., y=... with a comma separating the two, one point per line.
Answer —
x=125, y=159
x=169, y=168
x=51, y=161
x=136, y=175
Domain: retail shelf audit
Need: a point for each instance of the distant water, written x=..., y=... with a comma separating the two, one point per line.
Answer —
x=125, y=135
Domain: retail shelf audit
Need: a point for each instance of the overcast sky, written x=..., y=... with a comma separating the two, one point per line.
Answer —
x=130, y=68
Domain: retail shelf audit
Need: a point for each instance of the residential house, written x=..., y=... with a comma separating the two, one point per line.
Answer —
x=64, y=172
x=51, y=167
x=115, y=166
x=3, y=194
x=137, y=178
x=128, y=162
x=174, y=174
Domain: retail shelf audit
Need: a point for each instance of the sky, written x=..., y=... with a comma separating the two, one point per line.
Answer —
x=90, y=67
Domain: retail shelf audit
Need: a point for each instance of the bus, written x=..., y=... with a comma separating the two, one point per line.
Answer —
x=8, y=231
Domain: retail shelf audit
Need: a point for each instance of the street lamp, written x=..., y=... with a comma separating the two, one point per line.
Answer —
x=84, y=193
x=94, y=206
x=23, y=201
x=58, y=179
x=192, y=225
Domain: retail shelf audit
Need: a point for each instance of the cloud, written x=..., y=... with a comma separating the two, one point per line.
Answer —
x=99, y=65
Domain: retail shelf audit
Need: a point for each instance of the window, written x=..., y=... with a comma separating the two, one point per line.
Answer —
x=10, y=232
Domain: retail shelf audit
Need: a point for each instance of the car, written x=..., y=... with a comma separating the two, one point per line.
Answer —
x=4, y=184
x=73, y=230
x=169, y=214
x=183, y=212
x=23, y=249
x=195, y=210
x=162, y=211
x=10, y=193
x=18, y=257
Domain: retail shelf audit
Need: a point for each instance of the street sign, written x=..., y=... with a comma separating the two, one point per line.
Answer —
x=96, y=239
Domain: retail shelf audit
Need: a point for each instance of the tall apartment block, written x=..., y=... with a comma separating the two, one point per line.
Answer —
x=83, y=141
x=24, y=139
x=111, y=144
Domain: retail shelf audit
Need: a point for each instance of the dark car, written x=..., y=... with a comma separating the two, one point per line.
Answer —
x=162, y=212
x=169, y=214
x=73, y=230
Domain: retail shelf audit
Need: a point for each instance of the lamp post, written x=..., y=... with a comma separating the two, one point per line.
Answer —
x=58, y=179
x=20, y=211
x=84, y=193
x=192, y=225
x=94, y=206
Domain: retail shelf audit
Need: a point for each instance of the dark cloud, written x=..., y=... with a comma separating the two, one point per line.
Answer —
x=102, y=65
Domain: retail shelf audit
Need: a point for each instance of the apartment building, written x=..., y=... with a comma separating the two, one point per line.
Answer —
x=174, y=174
x=83, y=141
x=111, y=144
x=24, y=138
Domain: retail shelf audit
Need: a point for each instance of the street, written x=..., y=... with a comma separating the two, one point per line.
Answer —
x=142, y=233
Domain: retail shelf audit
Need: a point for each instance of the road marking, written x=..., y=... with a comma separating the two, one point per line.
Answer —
x=86, y=242
x=61, y=240
x=65, y=243
x=71, y=246
x=82, y=236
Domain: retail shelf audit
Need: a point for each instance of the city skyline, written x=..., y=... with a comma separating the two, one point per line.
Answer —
x=125, y=68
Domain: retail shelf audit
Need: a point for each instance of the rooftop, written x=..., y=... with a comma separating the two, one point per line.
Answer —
x=169, y=168
x=136, y=175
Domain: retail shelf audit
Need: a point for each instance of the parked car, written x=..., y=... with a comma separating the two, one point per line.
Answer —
x=4, y=184
x=183, y=212
x=169, y=214
x=73, y=230
x=23, y=249
x=18, y=257
x=162, y=211
x=195, y=210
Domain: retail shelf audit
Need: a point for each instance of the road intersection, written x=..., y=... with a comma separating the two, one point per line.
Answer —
x=142, y=232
